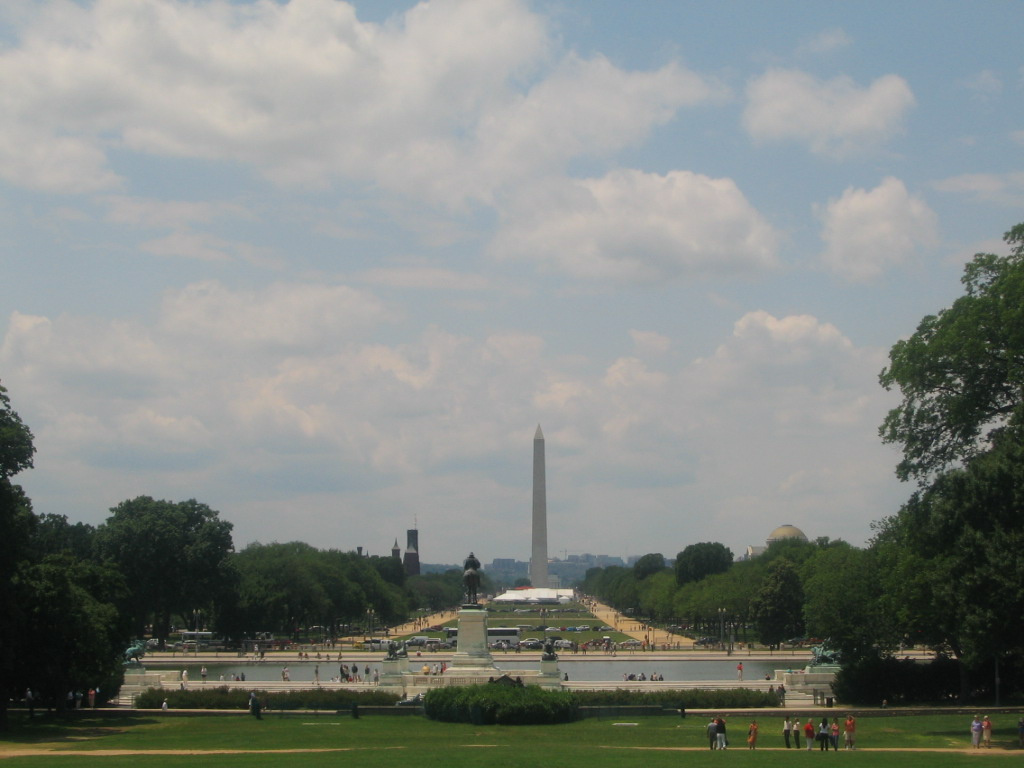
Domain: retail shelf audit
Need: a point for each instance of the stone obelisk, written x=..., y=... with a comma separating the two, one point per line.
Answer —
x=539, y=556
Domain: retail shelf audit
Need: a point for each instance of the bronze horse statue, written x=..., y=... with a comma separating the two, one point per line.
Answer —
x=135, y=651
x=471, y=578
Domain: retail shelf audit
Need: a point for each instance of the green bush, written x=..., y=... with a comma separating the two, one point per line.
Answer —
x=222, y=697
x=499, y=705
x=726, y=698
x=870, y=680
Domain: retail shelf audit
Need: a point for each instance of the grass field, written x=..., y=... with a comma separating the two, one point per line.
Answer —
x=402, y=742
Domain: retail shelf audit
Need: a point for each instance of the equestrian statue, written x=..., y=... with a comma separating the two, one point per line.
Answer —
x=471, y=578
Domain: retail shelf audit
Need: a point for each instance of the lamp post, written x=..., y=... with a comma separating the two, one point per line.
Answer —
x=721, y=628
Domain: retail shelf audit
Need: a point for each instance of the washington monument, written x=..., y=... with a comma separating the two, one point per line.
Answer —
x=539, y=556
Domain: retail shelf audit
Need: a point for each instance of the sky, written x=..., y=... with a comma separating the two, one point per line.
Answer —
x=325, y=267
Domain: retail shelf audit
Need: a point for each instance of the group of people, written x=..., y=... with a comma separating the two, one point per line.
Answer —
x=981, y=732
x=825, y=735
x=656, y=677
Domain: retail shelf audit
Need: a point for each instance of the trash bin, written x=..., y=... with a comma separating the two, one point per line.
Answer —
x=829, y=701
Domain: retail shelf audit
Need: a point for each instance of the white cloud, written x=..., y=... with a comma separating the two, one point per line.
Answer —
x=825, y=42
x=639, y=226
x=869, y=231
x=290, y=315
x=218, y=400
x=836, y=117
x=649, y=341
x=451, y=100
x=1000, y=188
x=984, y=86
x=429, y=278
x=172, y=214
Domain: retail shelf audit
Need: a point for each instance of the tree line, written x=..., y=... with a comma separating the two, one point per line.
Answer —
x=946, y=570
x=76, y=595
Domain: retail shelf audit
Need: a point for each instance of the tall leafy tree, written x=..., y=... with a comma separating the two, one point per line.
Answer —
x=76, y=636
x=842, y=588
x=956, y=551
x=698, y=561
x=648, y=565
x=172, y=556
x=778, y=607
x=16, y=525
x=961, y=373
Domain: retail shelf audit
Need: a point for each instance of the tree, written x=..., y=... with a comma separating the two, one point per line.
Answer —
x=954, y=554
x=961, y=374
x=842, y=588
x=76, y=636
x=778, y=608
x=648, y=565
x=172, y=557
x=698, y=561
x=16, y=524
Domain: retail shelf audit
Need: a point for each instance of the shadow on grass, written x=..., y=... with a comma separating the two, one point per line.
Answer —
x=56, y=728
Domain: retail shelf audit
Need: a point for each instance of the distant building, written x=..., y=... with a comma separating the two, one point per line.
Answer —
x=785, y=531
x=412, y=552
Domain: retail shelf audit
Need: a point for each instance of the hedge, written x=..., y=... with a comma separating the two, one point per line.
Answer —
x=222, y=697
x=499, y=705
x=724, y=698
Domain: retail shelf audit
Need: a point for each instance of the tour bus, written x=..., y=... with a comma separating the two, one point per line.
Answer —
x=507, y=635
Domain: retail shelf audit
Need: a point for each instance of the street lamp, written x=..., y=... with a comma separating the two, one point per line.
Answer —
x=721, y=628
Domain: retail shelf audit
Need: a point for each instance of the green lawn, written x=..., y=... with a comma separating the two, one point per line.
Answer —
x=400, y=742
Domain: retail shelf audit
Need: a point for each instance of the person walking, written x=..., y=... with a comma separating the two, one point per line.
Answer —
x=723, y=742
x=739, y=671
x=712, y=732
x=787, y=728
x=986, y=732
x=752, y=735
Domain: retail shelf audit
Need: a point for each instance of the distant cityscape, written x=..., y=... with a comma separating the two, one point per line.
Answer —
x=561, y=573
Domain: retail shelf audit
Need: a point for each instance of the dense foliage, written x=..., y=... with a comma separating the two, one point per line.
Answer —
x=961, y=373
x=59, y=628
x=496, y=704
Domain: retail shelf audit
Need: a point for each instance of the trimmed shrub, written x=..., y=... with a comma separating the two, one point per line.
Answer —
x=222, y=697
x=498, y=705
x=724, y=698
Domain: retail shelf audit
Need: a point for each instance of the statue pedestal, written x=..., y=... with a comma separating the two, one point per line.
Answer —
x=393, y=671
x=549, y=676
x=472, y=650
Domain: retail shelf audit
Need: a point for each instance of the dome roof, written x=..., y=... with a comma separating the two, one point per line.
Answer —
x=786, y=531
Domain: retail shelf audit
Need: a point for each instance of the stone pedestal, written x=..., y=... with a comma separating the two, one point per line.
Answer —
x=394, y=670
x=549, y=676
x=472, y=653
